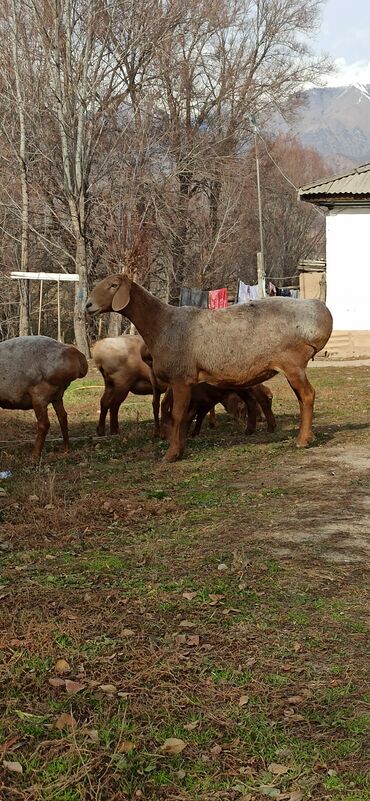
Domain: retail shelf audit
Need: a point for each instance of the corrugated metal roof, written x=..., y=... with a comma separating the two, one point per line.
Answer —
x=356, y=182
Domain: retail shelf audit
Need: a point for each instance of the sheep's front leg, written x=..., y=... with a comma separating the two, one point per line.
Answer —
x=181, y=400
x=166, y=414
x=63, y=422
x=155, y=405
x=251, y=405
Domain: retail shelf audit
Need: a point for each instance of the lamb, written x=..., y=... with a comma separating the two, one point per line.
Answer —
x=239, y=346
x=36, y=371
x=120, y=361
x=204, y=398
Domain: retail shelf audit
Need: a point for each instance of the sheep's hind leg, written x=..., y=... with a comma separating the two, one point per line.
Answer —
x=113, y=411
x=306, y=396
x=181, y=400
x=43, y=426
x=105, y=404
x=63, y=422
x=266, y=405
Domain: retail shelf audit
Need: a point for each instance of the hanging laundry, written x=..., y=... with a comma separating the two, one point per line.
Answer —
x=283, y=293
x=294, y=293
x=271, y=289
x=217, y=298
x=193, y=297
x=247, y=292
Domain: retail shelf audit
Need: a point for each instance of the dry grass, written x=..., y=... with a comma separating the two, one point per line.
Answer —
x=227, y=592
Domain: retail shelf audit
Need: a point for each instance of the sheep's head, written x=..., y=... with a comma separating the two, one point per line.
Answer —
x=110, y=294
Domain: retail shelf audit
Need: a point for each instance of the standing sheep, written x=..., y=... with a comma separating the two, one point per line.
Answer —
x=120, y=361
x=238, y=346
x=36, y=371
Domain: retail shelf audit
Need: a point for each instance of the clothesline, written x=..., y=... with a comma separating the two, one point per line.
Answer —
x=218, y=298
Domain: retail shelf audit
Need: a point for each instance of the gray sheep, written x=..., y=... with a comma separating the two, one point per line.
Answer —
x=36, y=371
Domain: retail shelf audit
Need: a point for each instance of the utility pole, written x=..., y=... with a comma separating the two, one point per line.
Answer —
x=261, y=275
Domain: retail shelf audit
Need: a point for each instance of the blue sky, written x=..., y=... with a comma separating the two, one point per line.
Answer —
x=345, y=35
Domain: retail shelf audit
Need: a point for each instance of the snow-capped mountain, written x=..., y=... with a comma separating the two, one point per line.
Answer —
x=336, y=122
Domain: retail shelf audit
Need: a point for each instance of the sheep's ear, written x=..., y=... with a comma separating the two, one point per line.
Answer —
x=121, y=297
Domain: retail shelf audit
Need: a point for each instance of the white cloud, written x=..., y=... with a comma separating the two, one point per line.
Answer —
x=346, y=74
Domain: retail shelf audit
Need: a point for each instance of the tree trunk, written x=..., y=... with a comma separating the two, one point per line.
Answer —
x=179, y=249
x=23, y=329
x=24, y=322
x=81, y=294
x=115, y=325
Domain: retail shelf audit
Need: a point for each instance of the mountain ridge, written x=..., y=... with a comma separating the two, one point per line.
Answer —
x=335, y=121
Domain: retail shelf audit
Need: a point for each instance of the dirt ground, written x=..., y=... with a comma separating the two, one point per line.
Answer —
x=193, y=631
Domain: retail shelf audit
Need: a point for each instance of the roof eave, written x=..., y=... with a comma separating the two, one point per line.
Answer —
x=334, y=200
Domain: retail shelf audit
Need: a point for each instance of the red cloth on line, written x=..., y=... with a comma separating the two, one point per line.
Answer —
x=217, y=298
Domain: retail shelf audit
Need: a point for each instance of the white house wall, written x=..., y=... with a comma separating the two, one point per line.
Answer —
x=348, y=268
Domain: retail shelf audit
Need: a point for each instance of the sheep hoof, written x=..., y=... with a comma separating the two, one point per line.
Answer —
x=171, y=457
x=305, y=443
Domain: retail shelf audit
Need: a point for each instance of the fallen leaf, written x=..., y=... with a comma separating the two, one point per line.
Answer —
x=243, y=700
x=290, y=716
x=15, y=767
x=181, y=639
x=73, y=686
x=93, y=735
x=65, y=721
x=192, y=640
x=108, y=688
x=125, y=746
x=296, y=795
x=61, y=666
x=128, y=632
x=295, y=699
x=172, y=746
x=222, y=566
x=216, y=750
x=55, y=682
x=9, y=743
x=187, y=624
x=189, y=595
x=278, y=770
x=269, y=790
x=297, y=646
x=123, y=695
x=332, y=772
x=181, y=774
x=191, y=726
x=215, y=599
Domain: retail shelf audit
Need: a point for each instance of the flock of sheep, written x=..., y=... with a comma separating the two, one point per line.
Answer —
x=197, y=357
